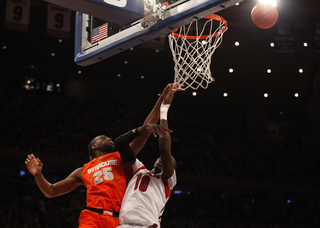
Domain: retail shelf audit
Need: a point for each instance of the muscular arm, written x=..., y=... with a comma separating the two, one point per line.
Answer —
x=34, y=166
x=165, y=152
x=167, y=160
x=122, y=143
x=152, y=118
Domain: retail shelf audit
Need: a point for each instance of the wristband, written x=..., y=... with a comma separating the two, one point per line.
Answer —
x=164, y=111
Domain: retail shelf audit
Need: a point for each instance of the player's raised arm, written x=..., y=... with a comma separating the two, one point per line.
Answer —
x=34, y=166
x=122, y=143
x=152, y=118
x=167, y=161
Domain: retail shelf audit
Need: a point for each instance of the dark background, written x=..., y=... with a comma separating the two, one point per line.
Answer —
x=210, y=130
x=245, y=86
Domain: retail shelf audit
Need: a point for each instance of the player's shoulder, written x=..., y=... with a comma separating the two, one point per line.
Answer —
x=77, y=173
x=138, y=165
x=113, y=154
x=173, y=176
x=172, y=181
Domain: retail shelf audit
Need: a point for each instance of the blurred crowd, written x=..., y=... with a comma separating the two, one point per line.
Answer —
x=22, y=205
x=44, y=122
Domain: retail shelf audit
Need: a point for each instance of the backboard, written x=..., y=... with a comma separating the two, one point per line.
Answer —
x=96, y=39
x=130, y=10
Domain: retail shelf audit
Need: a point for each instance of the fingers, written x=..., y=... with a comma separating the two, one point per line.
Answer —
x=177, y=87
x=160, y=131
x=155, y=129
x=29, y=158
x=40, y=162
x=171, y=87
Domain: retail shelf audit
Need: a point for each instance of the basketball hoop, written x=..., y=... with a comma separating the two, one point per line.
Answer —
x=192, y=52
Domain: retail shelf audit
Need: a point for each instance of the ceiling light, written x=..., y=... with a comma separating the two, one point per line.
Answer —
x=272, y=2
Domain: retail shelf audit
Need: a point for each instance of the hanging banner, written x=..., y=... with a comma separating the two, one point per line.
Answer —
x=58, y=21
x=315, y=29
x=284, y=38
x=17, y=15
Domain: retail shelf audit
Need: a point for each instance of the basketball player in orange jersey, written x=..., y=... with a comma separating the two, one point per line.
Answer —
x=104, y=176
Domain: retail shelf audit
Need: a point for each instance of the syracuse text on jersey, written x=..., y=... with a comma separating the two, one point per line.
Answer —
x=102, y=164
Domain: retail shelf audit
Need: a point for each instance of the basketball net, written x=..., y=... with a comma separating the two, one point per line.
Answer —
x=192, y=52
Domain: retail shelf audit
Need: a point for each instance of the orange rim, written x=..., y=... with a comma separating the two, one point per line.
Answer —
x=165, y=4
x=211, y=16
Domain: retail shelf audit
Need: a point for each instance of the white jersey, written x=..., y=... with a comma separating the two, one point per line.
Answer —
x=146, y=196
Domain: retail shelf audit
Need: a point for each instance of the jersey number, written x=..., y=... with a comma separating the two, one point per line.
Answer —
x=143, y=183
x=106, y=175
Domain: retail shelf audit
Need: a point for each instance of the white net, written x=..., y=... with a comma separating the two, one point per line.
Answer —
x=192, y=53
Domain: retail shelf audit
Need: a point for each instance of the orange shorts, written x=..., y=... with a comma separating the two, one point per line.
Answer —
x=90, y=219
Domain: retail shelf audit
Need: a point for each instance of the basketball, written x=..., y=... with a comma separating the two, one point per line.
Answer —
x=264, y=15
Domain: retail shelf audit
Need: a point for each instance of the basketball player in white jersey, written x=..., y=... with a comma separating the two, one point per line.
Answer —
x=148, y=191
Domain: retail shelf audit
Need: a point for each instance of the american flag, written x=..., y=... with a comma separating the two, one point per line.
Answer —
x=100, y=33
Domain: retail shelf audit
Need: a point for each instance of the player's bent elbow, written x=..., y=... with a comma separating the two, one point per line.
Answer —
x=48, y=195
x=51, y=193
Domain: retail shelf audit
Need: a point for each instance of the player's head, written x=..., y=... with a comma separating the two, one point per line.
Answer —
x=158, y=165
x=100, y=145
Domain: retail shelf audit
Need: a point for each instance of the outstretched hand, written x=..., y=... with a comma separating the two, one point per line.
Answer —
x=34, y=165
x=155, y=129
x=168, y=92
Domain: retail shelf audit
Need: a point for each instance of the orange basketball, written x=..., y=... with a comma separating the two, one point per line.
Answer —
x=264, y=15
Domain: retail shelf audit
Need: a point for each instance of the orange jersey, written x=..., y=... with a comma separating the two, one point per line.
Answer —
x=105, y=179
